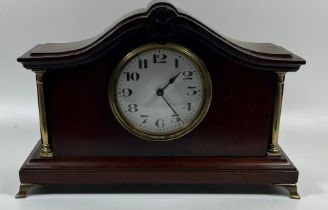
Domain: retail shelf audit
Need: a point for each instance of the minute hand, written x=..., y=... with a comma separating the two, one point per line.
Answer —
x=171, y=108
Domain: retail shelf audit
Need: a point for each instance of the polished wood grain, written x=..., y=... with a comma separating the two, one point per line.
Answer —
x=89, y=145
x=160, y=22
x=157, y=170
x=238, y=121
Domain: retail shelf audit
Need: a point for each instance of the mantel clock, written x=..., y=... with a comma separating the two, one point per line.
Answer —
x=159, y=99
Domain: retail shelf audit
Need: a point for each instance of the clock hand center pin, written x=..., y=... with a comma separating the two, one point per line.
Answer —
x=160, y=92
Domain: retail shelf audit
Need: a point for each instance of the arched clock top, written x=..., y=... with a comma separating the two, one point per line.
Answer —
x=159, y=98
x=161, y=22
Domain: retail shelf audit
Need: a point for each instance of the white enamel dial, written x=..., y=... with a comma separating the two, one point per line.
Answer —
x=159, y=93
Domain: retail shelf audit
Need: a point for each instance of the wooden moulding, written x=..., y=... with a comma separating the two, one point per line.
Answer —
x=88, y=145
x=157, y=170
x=160, y=22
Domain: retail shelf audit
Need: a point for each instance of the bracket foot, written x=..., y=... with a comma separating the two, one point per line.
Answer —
x=23, y=189
x=292, y=189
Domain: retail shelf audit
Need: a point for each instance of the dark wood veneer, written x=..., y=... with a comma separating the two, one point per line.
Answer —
x=157, y=170
x=89, y=145
x=238, y=121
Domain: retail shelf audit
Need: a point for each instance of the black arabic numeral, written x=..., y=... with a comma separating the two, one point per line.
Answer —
x=159, y=123
x=175, y=118
x=176, y=63
x=143, y=64
x=187, y=75
x=126, y=92
x=134, y=76
x=187, y=107
x=133, y=108
x=145, y=118
x=159, y=58
x=192, y=91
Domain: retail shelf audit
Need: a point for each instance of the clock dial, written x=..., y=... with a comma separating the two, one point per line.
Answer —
x=160, y=92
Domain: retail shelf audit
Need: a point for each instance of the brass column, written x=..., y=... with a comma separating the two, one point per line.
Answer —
x=273, y=149
x=46, y=150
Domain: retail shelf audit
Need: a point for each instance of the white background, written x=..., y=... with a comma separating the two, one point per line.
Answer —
x=299, y=25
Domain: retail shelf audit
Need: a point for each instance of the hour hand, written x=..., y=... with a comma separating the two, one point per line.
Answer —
x=171, y=81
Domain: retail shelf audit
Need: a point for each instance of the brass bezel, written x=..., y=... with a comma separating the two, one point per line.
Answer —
x=206, y=82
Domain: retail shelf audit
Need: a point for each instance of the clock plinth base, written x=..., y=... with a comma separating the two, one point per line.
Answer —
x=158, y=170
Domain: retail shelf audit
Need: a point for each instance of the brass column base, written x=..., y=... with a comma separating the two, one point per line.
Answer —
x=23, y=189
x=273, y=151
x=46, y=151
x=292, y=189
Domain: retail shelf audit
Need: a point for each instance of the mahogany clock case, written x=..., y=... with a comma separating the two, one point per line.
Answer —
x=90, y=146
x=81, y=122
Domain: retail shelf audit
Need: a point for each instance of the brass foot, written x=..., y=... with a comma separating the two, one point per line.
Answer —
x=292, y=189
x=23, y=189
